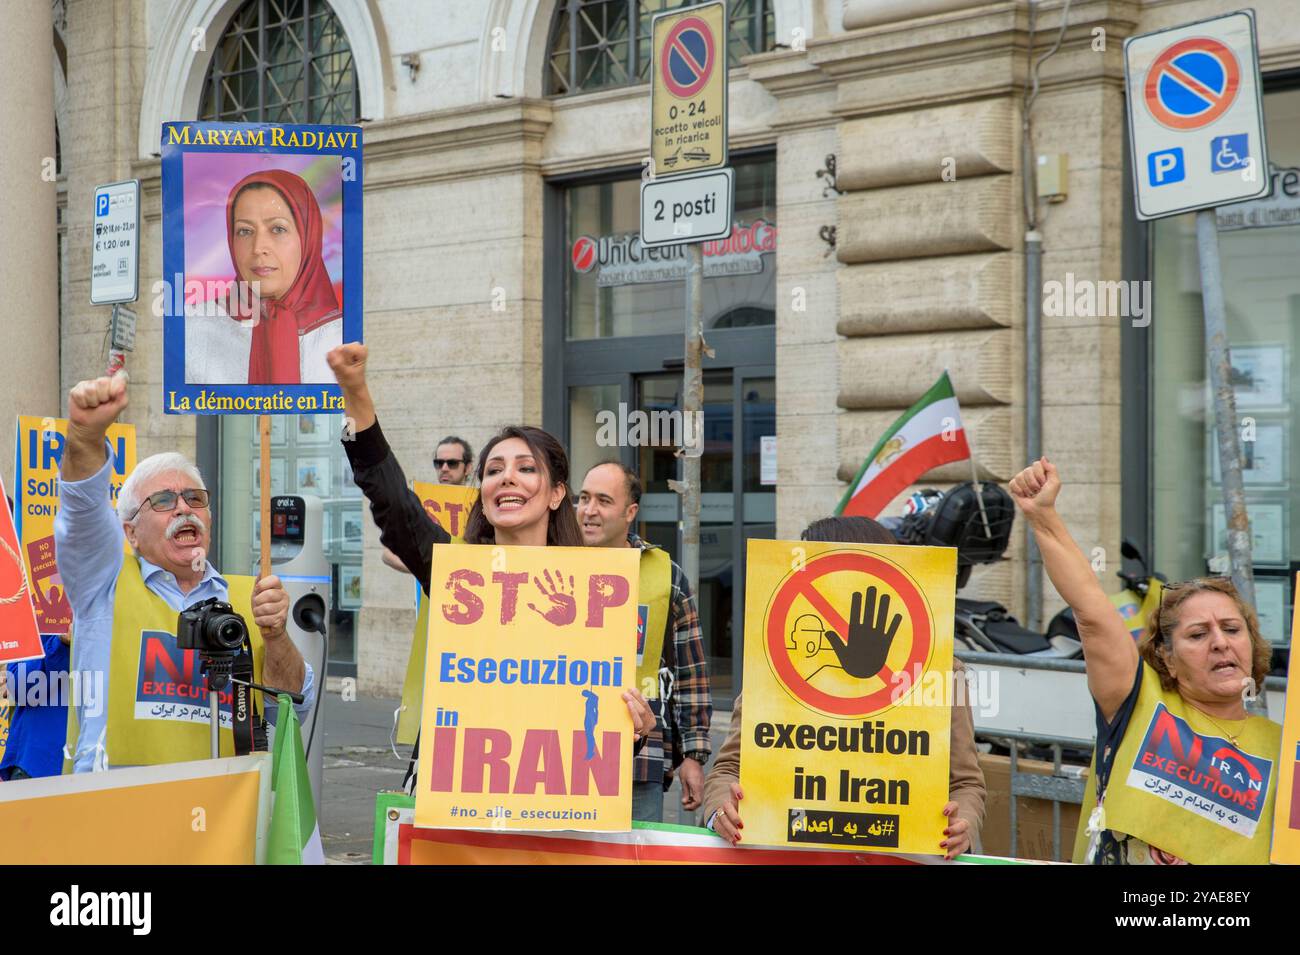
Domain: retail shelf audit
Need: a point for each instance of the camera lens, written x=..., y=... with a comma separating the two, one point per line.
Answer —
x=226, y=631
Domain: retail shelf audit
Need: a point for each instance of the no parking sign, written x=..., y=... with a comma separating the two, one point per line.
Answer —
x=688, y=90
x=1196, y=124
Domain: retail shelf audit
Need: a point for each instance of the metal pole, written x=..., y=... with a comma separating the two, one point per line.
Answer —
x=979, y=490
x=1033, y=413
x=215, y=722
x=1225, y=404
x=1056, y=805
x=693, y=415
x=1014, y=847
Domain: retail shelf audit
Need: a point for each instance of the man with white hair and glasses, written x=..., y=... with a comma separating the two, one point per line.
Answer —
x=151, y=702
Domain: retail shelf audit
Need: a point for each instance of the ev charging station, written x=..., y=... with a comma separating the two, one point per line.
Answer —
x=298, y=559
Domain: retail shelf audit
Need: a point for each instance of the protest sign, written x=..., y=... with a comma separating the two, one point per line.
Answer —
x=203, y=812
x=261, y=265
x=38, y=454
x=1286, y=809
x=524, y=725
x=19, y=637
x=399, y=842
x=848, y=660
x=447, y=504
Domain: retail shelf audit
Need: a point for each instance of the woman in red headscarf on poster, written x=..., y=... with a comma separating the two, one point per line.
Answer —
x=281, y=335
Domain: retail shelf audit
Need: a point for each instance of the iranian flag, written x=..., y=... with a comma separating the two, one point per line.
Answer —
x=928, y=434
x=294, y=838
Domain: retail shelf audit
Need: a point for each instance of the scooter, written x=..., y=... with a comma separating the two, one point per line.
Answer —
x=1135, y=603
x=978, y=524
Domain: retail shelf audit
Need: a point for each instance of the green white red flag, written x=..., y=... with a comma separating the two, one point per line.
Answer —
x=929, y=434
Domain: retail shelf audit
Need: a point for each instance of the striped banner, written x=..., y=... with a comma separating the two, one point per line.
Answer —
x=399, y=842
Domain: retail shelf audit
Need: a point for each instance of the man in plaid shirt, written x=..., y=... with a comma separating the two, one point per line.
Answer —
x=607, y=507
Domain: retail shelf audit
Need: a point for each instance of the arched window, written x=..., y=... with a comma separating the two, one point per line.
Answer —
x=282, y=61
x=596, y=44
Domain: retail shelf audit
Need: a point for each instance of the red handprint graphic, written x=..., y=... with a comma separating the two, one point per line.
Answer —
x=564, y=605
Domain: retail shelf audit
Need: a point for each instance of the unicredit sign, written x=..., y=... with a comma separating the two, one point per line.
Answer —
x=623, y=260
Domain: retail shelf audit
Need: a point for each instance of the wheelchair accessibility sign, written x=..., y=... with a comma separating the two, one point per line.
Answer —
x=1229, y=153
x=1196, y=122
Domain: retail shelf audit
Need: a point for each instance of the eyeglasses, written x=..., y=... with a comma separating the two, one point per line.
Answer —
x=448, y=462
x=166, y=500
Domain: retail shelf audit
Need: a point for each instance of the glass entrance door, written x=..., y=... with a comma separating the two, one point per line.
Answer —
x=735, y=503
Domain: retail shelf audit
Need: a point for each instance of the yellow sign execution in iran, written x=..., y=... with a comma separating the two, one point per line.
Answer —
x=530, y=651
x=844, y=742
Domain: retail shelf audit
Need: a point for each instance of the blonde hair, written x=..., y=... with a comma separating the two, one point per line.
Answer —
x=1157, y=642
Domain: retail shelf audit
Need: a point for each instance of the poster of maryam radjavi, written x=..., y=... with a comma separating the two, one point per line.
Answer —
x=261, y=265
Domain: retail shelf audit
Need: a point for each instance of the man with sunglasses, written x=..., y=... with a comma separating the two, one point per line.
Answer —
x=125, y=607
x=452, y=460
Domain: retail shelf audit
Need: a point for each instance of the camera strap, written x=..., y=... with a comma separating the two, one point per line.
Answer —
x=249, y=727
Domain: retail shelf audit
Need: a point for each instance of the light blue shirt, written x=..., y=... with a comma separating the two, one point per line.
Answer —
x=89, y=541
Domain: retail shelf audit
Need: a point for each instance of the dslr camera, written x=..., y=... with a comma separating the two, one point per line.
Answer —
x=210, y=627
x=218, y=633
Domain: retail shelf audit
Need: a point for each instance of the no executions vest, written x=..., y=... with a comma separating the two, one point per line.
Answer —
x=652, y=618
x=1180, y=786
x=157, y=694
x=656, y=593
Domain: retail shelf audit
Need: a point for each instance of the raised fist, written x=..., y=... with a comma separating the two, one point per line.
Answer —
x=1035, y=488
x=348, y=362
x=95, y=404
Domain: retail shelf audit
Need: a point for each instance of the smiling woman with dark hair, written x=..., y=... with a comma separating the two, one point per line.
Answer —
x=524, y=496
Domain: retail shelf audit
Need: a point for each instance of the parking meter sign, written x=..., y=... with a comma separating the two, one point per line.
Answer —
x=1196, y=122
x=115, y=244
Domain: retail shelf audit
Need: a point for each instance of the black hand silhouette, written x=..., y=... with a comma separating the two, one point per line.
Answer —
x=869, y=640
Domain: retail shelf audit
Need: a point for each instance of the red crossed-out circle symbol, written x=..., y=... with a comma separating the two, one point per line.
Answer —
x=584, y=253
x=804, y=584
x=1192, y=83
x=687, y=57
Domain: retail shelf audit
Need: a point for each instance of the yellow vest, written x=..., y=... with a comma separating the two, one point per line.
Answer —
x=1179, y=785
x=656, y=593
x=157, y=695
x=656, y=582
x=408, y=718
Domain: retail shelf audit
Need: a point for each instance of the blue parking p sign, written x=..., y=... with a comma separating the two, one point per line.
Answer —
x=101, y=205
x=1166, y=166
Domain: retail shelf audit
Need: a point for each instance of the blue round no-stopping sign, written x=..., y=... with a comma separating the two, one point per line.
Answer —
x=688, y=56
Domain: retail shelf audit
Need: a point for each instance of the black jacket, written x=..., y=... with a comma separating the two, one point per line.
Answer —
x=405, y=527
